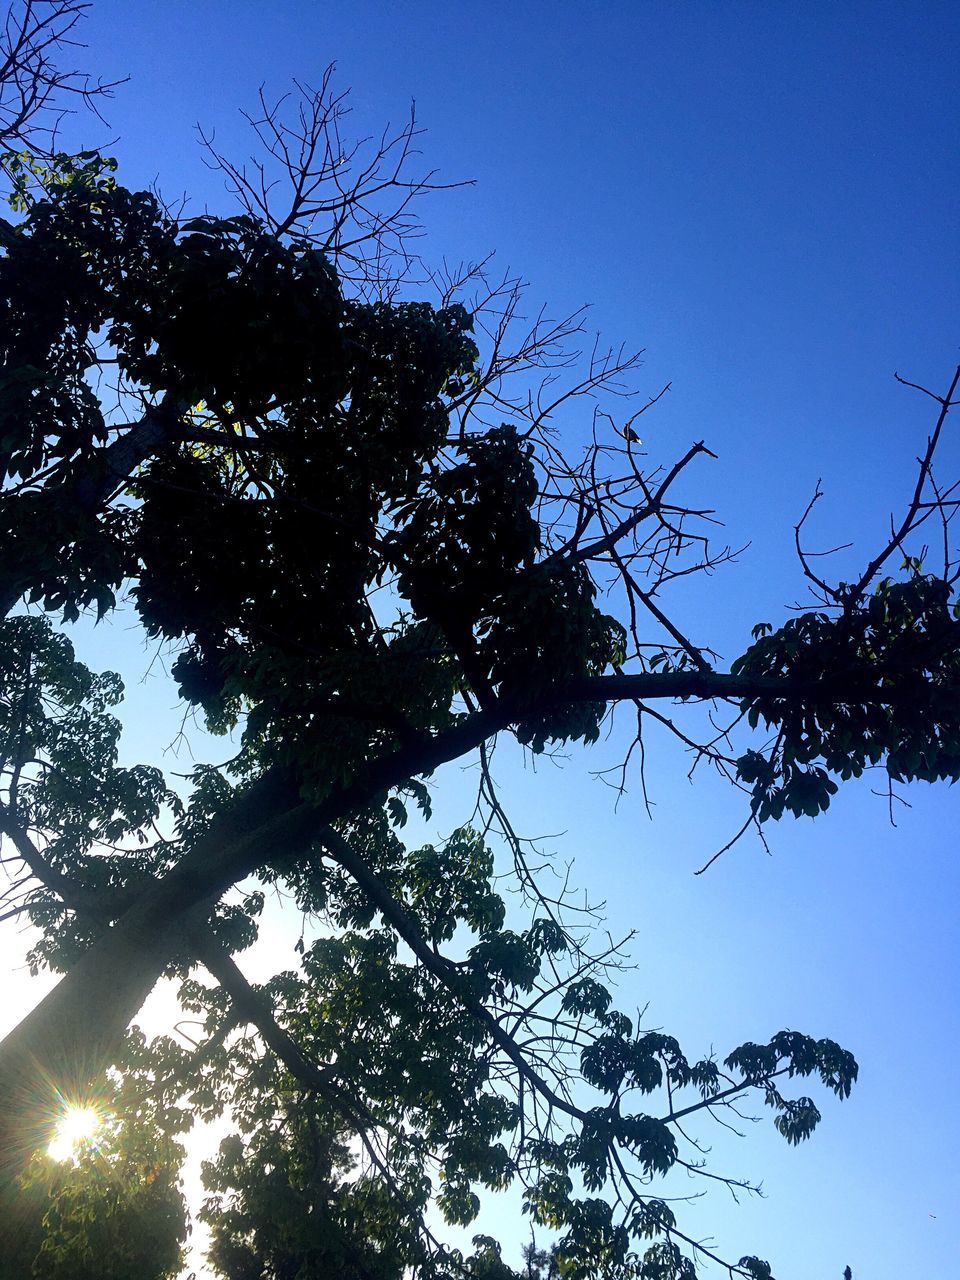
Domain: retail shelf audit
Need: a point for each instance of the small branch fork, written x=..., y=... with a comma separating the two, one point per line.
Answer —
x=36, y=93
x=352, y=200
x=927, y=499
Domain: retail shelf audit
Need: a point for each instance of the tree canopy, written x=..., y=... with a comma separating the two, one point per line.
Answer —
x=339, y=493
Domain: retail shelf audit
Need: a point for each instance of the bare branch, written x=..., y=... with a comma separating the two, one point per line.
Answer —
x=36, y=92
x=353, y=200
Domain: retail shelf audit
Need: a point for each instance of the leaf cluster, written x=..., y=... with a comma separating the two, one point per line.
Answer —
x=901, y=642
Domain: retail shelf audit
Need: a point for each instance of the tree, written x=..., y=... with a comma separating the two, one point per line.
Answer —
x=352, y=516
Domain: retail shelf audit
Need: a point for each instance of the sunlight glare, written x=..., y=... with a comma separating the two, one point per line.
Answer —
x=77, y=1124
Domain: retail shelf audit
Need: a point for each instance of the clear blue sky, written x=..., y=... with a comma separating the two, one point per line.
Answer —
x=764, y=195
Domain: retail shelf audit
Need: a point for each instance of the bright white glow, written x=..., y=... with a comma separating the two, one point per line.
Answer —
x=77, y=1124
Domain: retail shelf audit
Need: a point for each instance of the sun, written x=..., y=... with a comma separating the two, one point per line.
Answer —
x=76, y=1125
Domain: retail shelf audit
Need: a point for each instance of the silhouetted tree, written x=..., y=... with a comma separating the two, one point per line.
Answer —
x=351, y=513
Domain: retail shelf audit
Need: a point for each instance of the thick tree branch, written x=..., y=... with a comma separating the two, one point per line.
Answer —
x=256, y=1009
x=67, y=889
x=406, y=927
x=88, y=489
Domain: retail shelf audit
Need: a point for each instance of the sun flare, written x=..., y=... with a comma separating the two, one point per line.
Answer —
x=76, y=1125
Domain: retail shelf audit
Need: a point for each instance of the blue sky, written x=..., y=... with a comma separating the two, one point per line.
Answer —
x=764, y=196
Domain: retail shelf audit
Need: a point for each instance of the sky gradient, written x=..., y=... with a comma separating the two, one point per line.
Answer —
x=764, y=196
